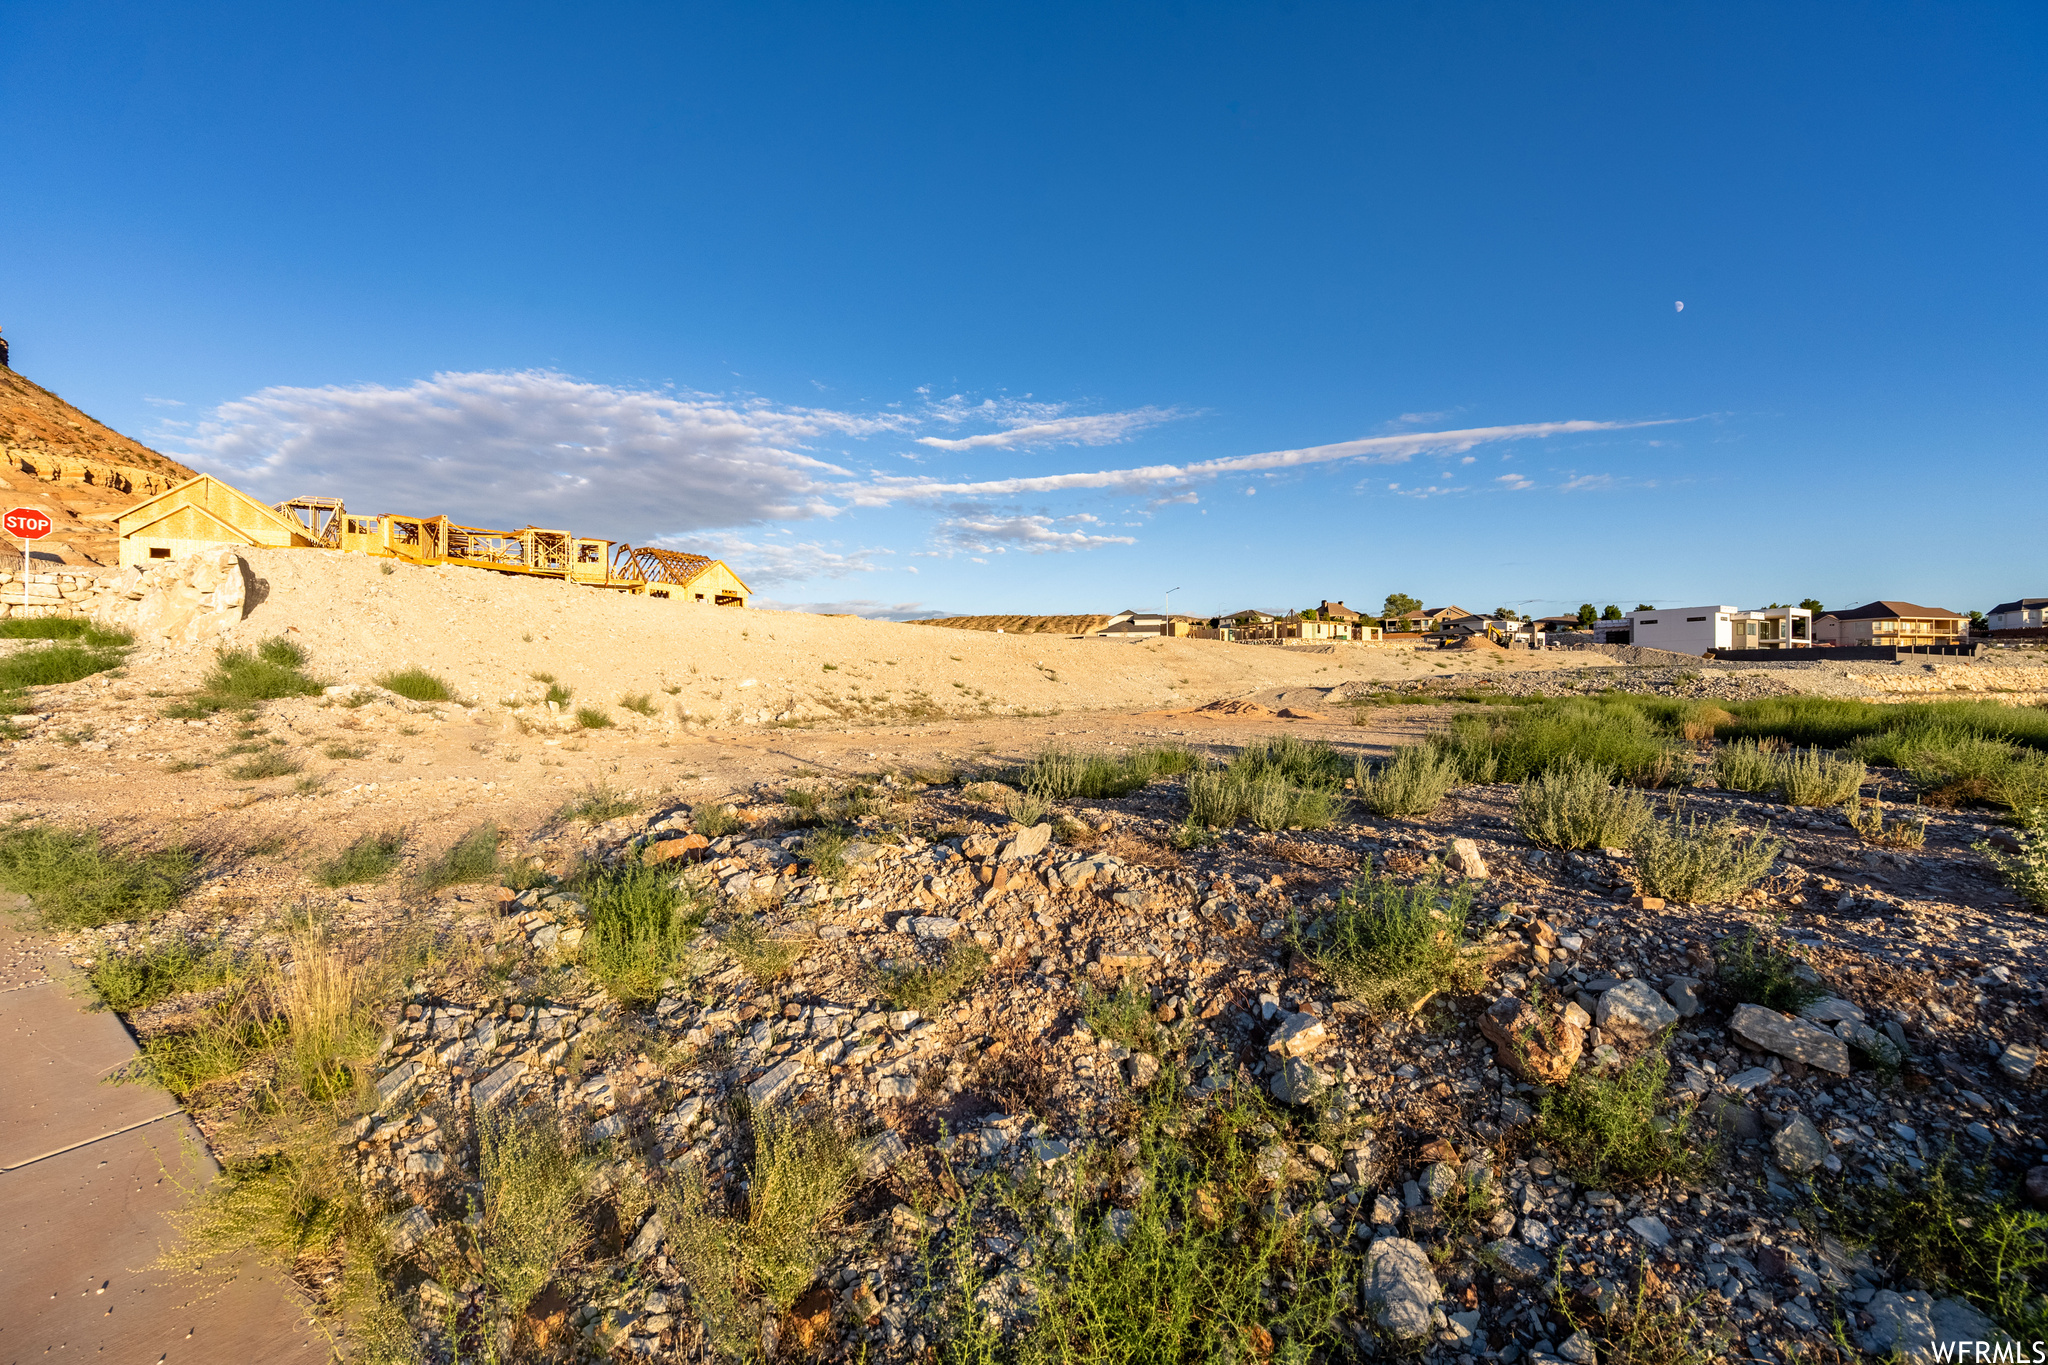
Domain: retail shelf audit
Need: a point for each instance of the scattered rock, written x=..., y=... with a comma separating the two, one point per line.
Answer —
x=2018, y=1060
x=1633, y=1012
x=1464, y=860
x=1799, y=1146
x=1794, y=1039
x=1298, y=1035
x=1528, y=1046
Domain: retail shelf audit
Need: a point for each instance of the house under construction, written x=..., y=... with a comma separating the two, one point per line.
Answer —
x=204, y=512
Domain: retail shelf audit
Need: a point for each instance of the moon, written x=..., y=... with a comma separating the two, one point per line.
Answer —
x=1680, y=305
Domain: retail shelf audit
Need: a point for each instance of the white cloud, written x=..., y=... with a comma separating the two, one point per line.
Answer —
x=1586, y=483
x=883, y=489
x=534, y=447
x=1031, y=534
x=1041, y=428
x=1189, y=498
x=858, y=606
x=1512, y=483
x=781, y=562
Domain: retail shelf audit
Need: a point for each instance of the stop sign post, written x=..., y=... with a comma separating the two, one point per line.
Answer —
x=26, y=524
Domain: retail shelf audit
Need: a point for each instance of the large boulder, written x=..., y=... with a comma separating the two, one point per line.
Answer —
x=1401, y=1285
x=189, y=601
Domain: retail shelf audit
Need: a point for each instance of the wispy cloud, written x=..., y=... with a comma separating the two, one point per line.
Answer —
x=1399, y=449
x=766, y=563
x=1031, y=534
x=1095, y=429
x=514, y=449
x=857, y=606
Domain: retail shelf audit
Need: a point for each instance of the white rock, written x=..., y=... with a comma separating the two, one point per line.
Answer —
x=1401, y=1284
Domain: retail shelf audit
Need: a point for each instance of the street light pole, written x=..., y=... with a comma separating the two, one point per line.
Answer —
x=1166, y=626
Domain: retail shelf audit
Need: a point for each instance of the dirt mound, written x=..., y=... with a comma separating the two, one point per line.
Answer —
x=1021, y=625
x=1479, y=644
x=1238, y=707
x=77, y=470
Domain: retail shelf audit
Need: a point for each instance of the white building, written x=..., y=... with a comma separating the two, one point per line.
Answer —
x=1695, y=630
x=2027, y=614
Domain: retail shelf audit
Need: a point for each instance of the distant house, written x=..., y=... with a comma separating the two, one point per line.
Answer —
x=1892, y=623
x=1548, y=624
x=1127, y=623
x=1301, y=626
x=1695, y=630
x=2026, y=618
x=1337, y=611
x=1429, y=618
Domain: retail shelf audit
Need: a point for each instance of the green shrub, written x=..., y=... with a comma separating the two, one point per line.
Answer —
x=1680, y=861
x=1515, y=745
x=1835, y=723
x=1124, y=1015
x=58, y=663
x=64, y=628
x=1815, y=777
x=597, y=803
x=1297, y=762
x=747, y=1267
x=1198, y=1268
x=714, y=822
x=472, y=858
x=2026, y=871
x=639, y=929
x=1743, y=765
x=268, y=763
x=1221, y=797
x=825, y=851
x=1756, y=972
x=1577, y=805
x=1061, y=774
x=926, y=987
x=590, y=718
x=367, y=857
x=76, y=881
x=1214, y=798
x=1390, y=947
x=1413, y=782
x=530, y=1221
x=416, y=684
x=1606, y=1129
x=156, y=971
x=1960, y=1231
x=1026, y=808
x=273, y=670
x=641, y=702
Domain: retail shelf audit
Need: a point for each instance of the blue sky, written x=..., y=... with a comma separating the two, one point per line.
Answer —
x=861, y=296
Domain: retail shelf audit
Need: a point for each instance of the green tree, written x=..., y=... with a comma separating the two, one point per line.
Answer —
x=1587, y=615
x=1613, y=613
x=1978, y=625
x=1811, y=604
x=1505, y=614
x=1644, y=606
x=1400, y=604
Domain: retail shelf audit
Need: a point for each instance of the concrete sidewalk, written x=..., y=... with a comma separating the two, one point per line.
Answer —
x=87, y=1172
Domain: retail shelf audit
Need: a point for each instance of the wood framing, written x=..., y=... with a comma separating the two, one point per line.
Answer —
x=199, y=514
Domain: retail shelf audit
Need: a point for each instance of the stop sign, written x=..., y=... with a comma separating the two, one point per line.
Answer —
x=26, y=523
